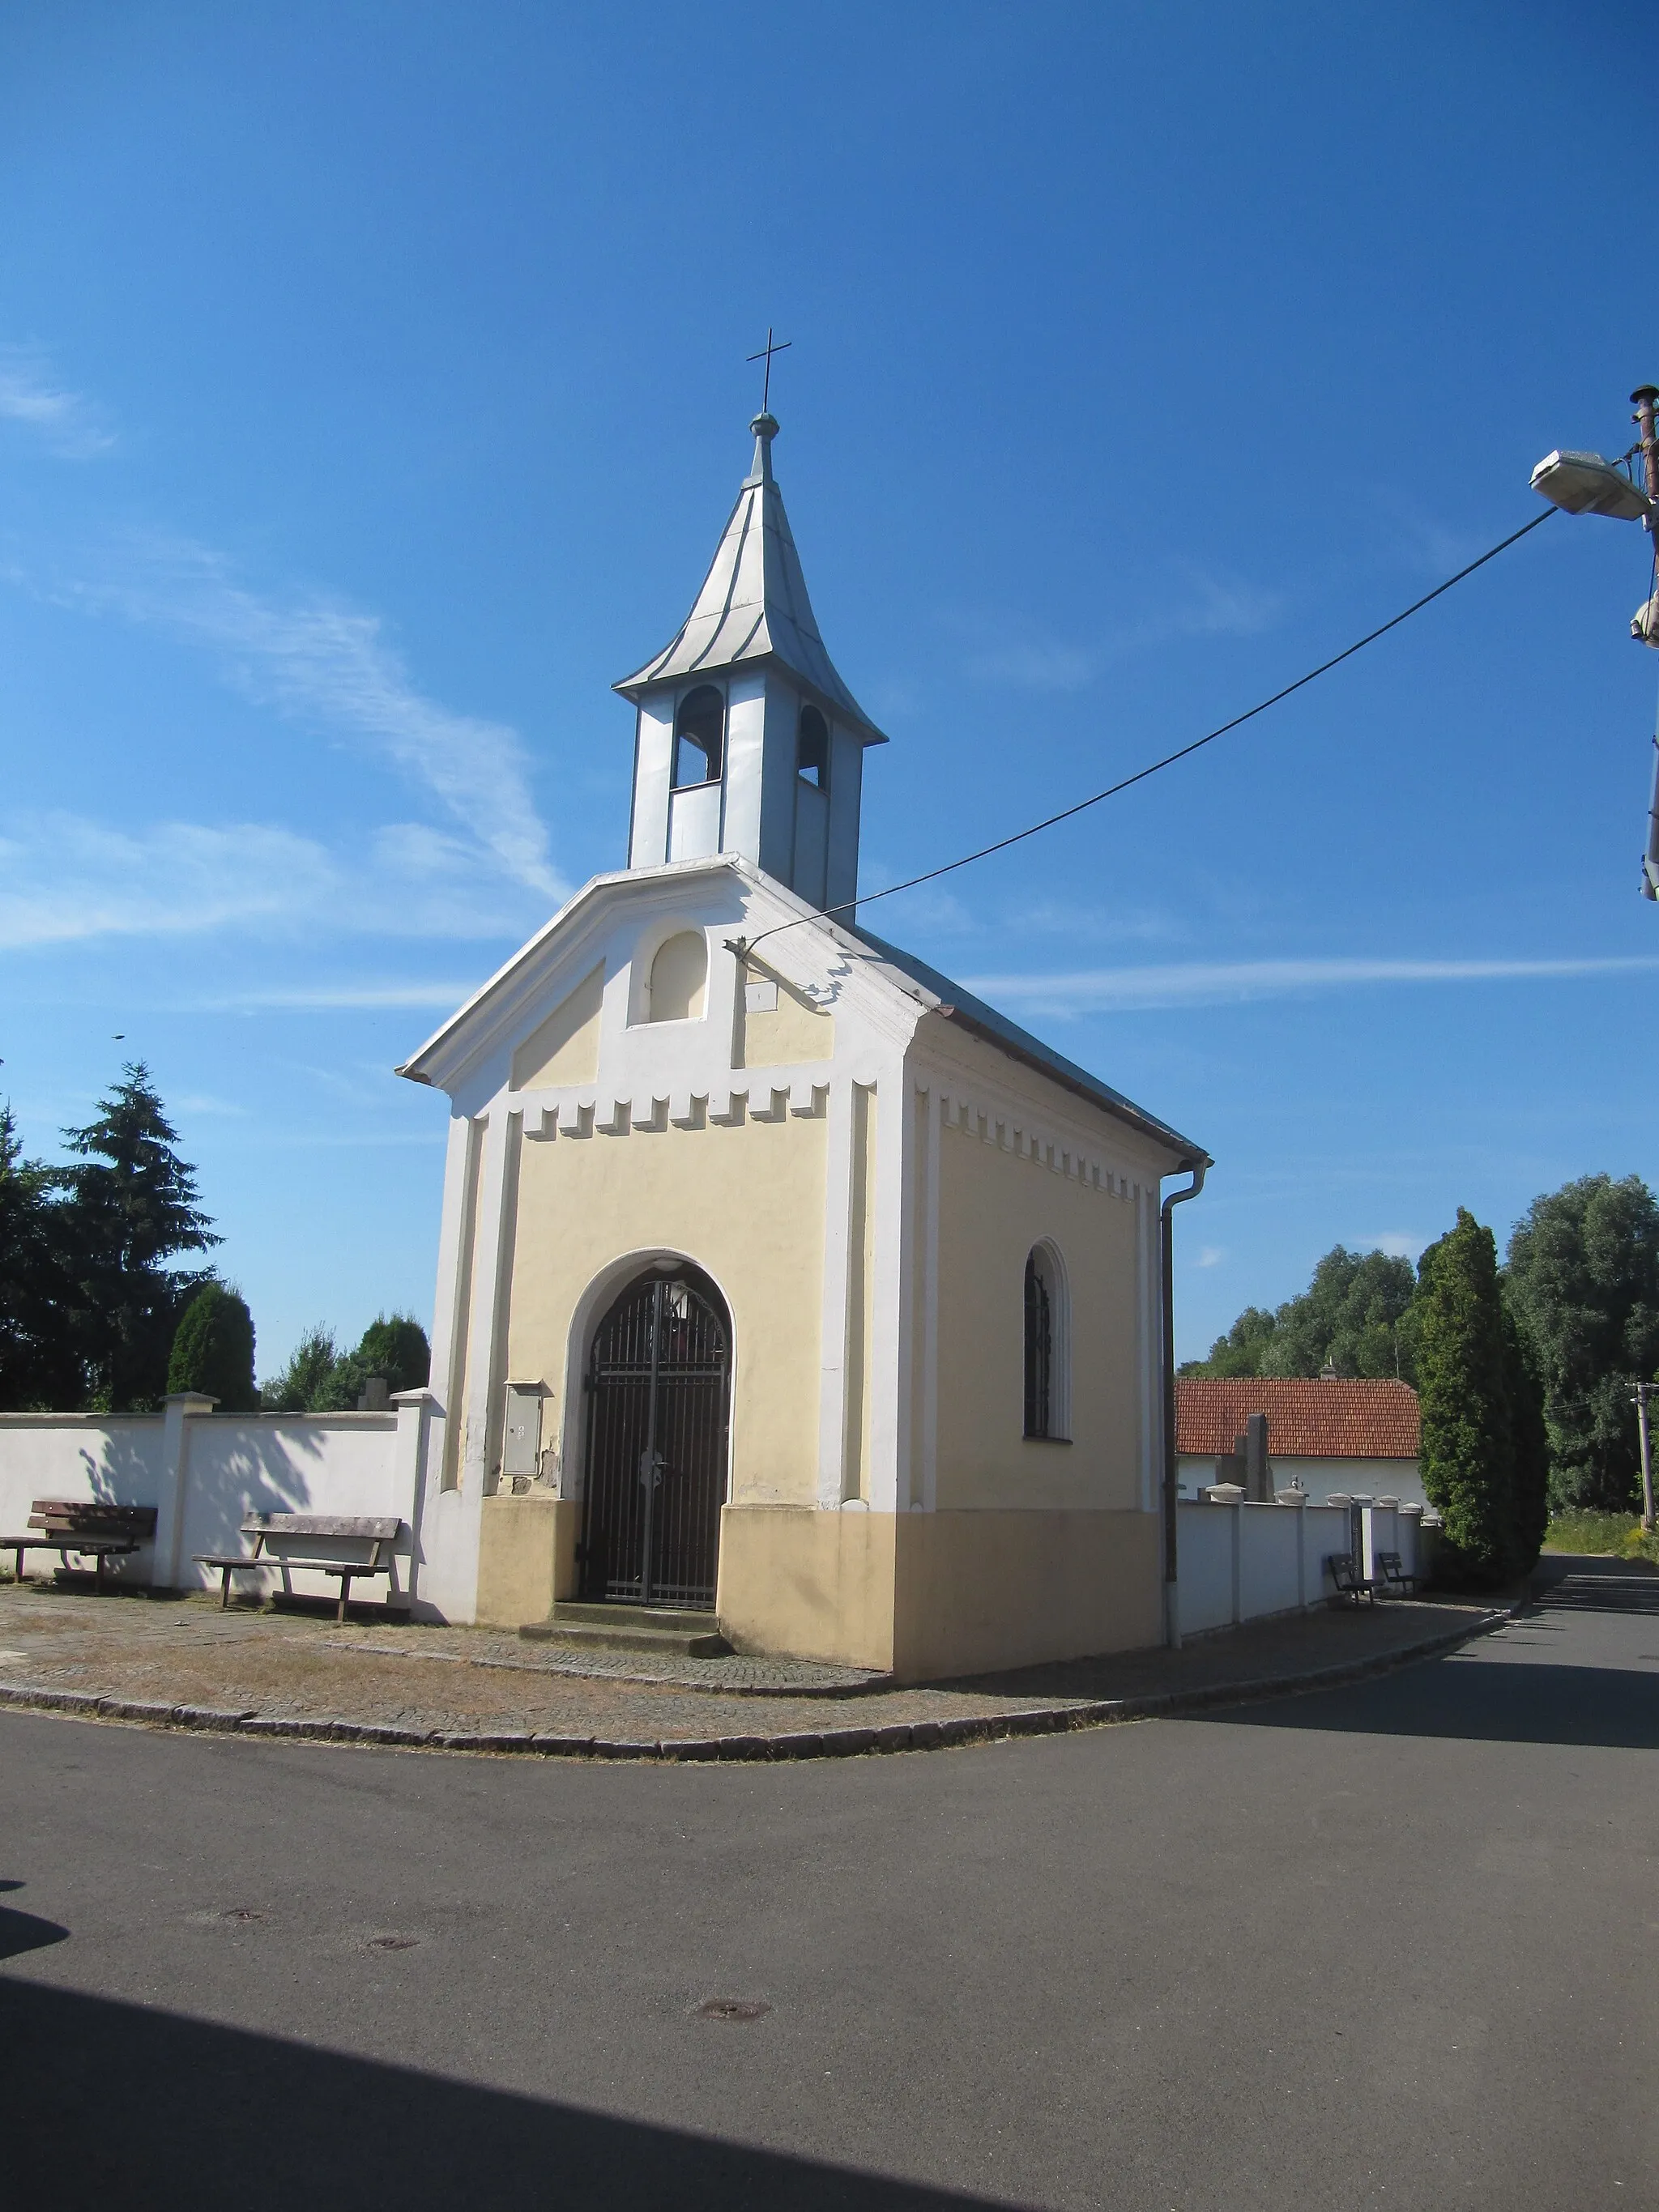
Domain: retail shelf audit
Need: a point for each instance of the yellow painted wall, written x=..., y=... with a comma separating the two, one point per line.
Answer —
x=565, y=1047
x=929, y=1596
x=978, y=1591
x=526, y=1558
x=747, y=1204
x=815, y=1585
x=994, y=1206
x=795, y=1030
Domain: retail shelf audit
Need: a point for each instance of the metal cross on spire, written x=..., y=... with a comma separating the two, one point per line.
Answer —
x=765, y=354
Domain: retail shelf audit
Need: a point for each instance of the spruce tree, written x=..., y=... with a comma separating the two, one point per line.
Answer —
x=1467, y=1453
x=130, y=1206
x=213, y=1350
x=1529, y=1438
x=39, y=1370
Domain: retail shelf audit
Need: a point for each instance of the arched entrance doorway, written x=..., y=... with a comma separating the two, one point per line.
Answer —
x=658, y=1404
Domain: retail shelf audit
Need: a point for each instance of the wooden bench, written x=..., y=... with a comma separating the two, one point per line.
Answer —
x=273, y=1532
x=1350, y=1583
x=85, y=1526
x=1391, y=1571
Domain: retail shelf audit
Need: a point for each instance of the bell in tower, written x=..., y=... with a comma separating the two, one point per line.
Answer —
x=747, y=740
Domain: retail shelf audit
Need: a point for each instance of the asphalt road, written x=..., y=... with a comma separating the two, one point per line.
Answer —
x=1394, y=1945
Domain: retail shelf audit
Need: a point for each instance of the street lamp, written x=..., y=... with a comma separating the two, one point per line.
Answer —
x=1585, y=483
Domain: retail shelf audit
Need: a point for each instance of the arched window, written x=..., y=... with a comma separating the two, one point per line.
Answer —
x=679, y=973
x=812, y=749
x=699, y=737
x=1048, y=1348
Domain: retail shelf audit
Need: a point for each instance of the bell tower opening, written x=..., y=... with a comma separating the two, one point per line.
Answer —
x=746, y=739
x=699, y=737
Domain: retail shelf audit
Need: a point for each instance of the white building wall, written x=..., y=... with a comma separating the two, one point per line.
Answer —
x=235, y=1465
x=1240, y=1562
x=226, y=1466
x=115, y=1458
x=1320, y=1478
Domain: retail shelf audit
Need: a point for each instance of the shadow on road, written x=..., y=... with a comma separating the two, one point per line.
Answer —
x=25, y=1931
x=194, y=2116
x=1606, y=1707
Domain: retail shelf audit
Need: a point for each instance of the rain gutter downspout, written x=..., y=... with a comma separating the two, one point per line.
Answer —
x=1171, y=1585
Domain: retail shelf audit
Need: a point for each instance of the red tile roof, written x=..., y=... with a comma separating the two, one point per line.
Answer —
x=1339, y=1418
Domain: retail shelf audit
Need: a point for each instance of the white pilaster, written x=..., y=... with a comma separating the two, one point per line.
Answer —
x=893, y=1352
x=179, y=1408
x=838, y=1260
x=928, y=1125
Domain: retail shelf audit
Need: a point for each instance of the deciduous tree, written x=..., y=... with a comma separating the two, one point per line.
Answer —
x=1355, y=1315
x=1582, y=1275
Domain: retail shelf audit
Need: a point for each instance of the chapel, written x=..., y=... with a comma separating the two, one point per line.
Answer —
x=784, y=1286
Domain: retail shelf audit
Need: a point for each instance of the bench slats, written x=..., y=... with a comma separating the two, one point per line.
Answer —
x=371, y=1529
x=87, y=1517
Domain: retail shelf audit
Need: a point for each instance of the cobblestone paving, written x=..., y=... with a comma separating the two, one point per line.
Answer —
x=268, y=1671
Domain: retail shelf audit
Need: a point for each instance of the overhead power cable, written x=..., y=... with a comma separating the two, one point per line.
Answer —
x=743, y=948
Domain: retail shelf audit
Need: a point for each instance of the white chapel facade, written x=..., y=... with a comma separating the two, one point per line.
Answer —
x=779, y=1279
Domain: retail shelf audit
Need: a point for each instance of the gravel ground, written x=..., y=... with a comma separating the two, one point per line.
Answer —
x=438, y=1683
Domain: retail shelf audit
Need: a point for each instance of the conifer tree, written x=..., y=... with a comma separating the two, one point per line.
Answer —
x=1529, y=1439
x=213, y=1350
x=1467, y=1455
x=37, y=1367
x=129, y=1207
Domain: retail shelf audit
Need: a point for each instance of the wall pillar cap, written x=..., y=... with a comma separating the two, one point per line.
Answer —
x=1224, y=1493
x=421, y=1397
x=190, y=1400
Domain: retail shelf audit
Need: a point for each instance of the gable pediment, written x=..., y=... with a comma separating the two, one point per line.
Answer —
x=565, y=1047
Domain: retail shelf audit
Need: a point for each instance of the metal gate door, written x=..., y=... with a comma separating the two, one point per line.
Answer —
x=659, y=1385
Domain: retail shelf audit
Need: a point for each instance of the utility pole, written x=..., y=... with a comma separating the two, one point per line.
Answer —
x=1642, y=1393
x=1587, y=483
x=1645, y=629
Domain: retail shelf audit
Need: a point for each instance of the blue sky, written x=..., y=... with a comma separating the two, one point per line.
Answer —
x=372, y=393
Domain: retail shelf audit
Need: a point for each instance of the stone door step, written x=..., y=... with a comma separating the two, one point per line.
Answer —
x=631, y=1628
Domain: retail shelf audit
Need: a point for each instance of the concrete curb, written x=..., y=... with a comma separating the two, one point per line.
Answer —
x=827, y=1743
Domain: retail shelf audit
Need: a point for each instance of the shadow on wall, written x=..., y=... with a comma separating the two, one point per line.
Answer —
x=173, y=2098
x=268, y=1467
x=255, y=1469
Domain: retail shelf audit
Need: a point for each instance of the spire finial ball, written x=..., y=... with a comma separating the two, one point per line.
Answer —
x=764, y=425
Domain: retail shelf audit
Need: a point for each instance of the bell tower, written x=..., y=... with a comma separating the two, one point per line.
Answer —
x=746, y=739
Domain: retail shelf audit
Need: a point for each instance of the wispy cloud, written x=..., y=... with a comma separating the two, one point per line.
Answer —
x=315, y=654
x=70, y=425
x=1011, y=649
x=1398, y=1243
x=1109, y=990
x=1211, y=1256
x=65, y=880
x=1078, y=919
x=330, y=998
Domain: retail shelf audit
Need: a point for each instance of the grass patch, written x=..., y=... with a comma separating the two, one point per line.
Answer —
x=1616, y=1535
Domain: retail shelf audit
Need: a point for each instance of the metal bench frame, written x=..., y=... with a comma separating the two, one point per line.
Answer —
x=380, y=1534
x=1392, y=1575
x=1350, y=1583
